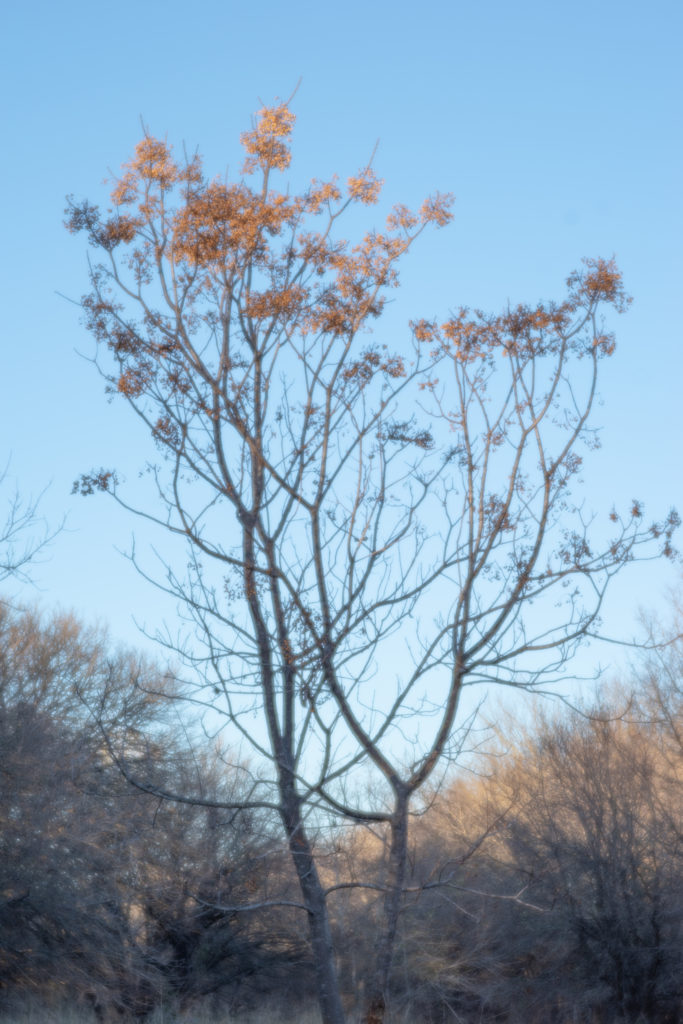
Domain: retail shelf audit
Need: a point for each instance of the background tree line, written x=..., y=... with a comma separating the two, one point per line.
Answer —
x=544, y=885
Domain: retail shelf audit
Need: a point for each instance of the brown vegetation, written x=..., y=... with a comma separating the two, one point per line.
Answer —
x=545, y=887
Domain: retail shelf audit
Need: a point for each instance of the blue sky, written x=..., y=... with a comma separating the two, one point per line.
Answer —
x=558, y=128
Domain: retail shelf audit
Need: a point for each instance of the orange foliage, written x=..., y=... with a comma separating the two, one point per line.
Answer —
x=203, y=235
x=370, y=362
x=264, y=144
x=599, y=282
x=249, y=246
x=151, y=166
x=365, y=186
x=322, y=193
x=437, y=209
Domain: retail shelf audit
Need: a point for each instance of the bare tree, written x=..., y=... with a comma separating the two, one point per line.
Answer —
x=106, y=895
x=368, y=530
x=23, y=534
x=570, y=906
x=660, y=676
x=595, y=834
x=69, y=825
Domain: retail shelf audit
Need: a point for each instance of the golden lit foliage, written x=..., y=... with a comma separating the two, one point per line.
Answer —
x=527, y=332
x=248, y=242
x=244, y=262
x=264, y=145
x=206, y=234
x=365, y=186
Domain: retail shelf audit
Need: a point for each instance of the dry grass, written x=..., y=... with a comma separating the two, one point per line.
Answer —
x=39, y=1014
x=36, y=1013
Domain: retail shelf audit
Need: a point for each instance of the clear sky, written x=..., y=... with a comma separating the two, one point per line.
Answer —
x=557, y=126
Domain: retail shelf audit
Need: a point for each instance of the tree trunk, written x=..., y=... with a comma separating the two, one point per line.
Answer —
x=376, y=1001
x=318, y=920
